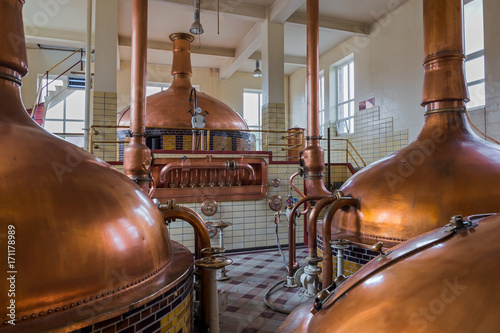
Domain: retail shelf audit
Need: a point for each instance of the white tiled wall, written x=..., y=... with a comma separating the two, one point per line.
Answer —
x=253, y=221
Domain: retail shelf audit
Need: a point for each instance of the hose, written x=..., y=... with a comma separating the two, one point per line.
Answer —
x=269, y=304
x=276, y=221
x=268, y=293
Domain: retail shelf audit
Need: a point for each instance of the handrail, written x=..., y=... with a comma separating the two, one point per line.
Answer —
x=286, y=146
x=348, y=147
x=362, y=160
x=40, y=88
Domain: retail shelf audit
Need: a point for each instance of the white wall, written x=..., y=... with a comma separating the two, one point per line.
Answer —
x=39, y=61
x=229, y=91
x=388, y=66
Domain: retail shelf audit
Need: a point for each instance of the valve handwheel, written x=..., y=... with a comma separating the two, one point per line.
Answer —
x=275, y=203
x=212, y=231
x=209, y=207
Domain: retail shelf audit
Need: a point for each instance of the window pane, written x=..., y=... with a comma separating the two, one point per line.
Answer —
x=351, y=109
x=343, y=111
x=75, y=105
x=351, y=125
x=55, y=111
x=477, y=95
x=474, y=69
x=251, y=108
x=351, y=80
x=150, y=90
x=342, y=127
x=76, y=140
x=474, y=31
x=53, y=126
x=343, y=83
x=74, y=126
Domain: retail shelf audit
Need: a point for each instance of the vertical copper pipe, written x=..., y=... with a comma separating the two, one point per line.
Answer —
x=445, y=86
x=312, y=225
x=201, y=235
x=327, y=237
x=312, y=157
x=137, y=156
x=312, y=70
x=291, y=234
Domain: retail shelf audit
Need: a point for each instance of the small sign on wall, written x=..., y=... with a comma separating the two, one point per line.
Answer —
x=367, y=104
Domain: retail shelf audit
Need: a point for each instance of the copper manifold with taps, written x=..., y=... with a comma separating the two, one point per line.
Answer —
x=194, y=179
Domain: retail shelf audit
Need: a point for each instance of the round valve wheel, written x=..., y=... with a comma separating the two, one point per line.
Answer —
x=209, y=207
x=276, y=182
x=275, y=203
x=212, y=231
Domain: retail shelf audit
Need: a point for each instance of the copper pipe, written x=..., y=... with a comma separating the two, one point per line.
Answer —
x=312, y=158
x=327, y=236
x=137, y=156
x=292, y=185
x=291, y=234
x=203, y=239
x=312, y=225
x=445, y=86
x=187, y=165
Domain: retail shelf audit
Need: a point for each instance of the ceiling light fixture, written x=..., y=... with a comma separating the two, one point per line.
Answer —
x=257, y=72
x=196, y=27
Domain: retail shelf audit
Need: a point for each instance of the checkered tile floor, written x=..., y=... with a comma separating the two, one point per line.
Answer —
x=252, y=274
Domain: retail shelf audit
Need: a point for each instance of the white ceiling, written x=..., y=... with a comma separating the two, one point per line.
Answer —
x=237, y=45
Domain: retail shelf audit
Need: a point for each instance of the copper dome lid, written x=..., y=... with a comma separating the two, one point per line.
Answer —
x=170, y=108
x=444, y=281
x=86, y=242
x=446, y=170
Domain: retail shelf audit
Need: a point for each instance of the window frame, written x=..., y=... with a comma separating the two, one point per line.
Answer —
x=350, y=101
x=472, y=56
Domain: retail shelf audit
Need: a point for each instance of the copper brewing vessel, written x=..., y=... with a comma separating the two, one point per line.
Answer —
x=444, y=281
x=88, y=244
x=446, y=170
x=170, y=108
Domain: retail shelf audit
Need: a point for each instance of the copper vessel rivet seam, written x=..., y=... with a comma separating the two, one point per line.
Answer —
x=90, y=299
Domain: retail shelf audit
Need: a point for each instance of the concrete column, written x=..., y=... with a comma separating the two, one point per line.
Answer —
x=104, y=82
x=492, y=66
x=273, y=81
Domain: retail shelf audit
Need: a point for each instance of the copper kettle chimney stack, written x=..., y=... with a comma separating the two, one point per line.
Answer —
x=312, y=158
x=445, y=86
x=414, y=189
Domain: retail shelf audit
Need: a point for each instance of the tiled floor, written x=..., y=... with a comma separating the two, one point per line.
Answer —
x=252, y=274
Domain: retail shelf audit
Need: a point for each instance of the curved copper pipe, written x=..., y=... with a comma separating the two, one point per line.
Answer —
x=327, y=237
x=137, y=156
x=291, y=234
x=199, y=164
x=292, y=185
x=202, y=241
x=312, y=223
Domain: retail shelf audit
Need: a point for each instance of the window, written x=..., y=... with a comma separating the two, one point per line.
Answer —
x=66, y=116
x=474, y=51
x=156, y=87
x=345, y=97
x=322, y=120
x=252, y=112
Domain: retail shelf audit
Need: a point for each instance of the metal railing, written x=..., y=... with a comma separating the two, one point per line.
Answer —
x=285, y=145
x=285, y=142
x=45, y=76
x=347, y=149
